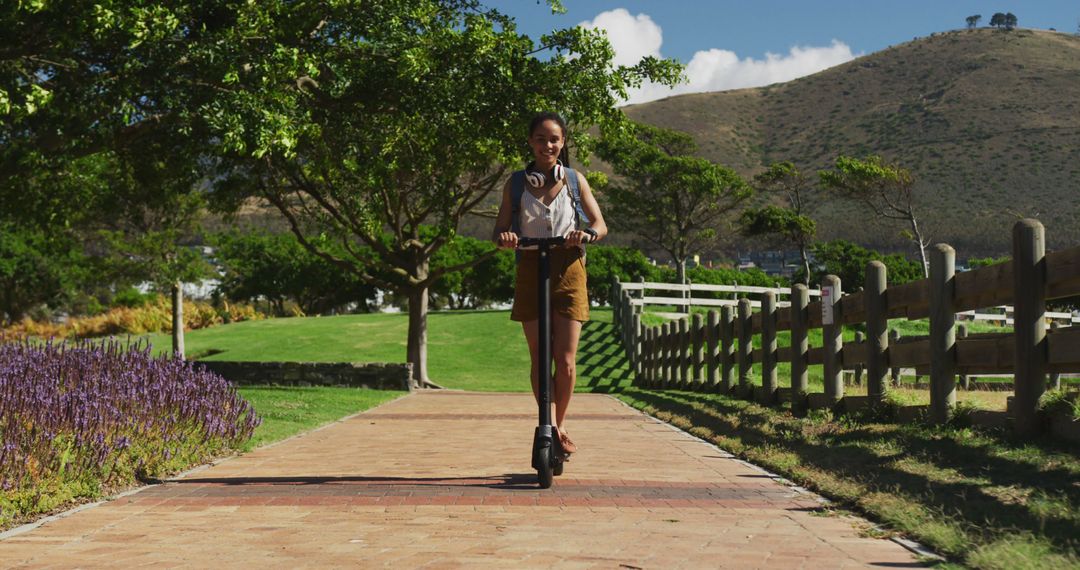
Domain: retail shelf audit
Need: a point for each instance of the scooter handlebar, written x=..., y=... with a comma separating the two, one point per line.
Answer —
x=529, y=241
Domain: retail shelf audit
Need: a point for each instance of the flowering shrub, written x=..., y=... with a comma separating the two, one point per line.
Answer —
x=80, y=417
x=155, y=316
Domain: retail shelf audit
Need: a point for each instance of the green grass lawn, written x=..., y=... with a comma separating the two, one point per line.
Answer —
x=468, y=350
x=981, y=497
x=287, y=411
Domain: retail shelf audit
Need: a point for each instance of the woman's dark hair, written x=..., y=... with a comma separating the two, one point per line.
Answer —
x=536, y=121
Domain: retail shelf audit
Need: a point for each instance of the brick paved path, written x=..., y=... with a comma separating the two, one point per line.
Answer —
x=443, y=480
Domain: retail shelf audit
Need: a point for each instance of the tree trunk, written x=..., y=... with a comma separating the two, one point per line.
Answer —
x=417, y=345
x=922, y=246
x=178, y=320
x=805, y=264
x=680, y=275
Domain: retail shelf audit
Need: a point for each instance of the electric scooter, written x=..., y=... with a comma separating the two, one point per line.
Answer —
x=547, y=451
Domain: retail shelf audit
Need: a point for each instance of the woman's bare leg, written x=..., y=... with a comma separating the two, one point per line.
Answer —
x=567, y=332
x=532, y=337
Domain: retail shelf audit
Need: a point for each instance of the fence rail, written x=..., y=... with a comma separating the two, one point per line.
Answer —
x=716, y=352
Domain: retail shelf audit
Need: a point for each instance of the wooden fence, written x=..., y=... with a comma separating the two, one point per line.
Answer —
x=716, y=352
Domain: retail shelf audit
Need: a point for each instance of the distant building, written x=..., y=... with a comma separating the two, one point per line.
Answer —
x=782, y=263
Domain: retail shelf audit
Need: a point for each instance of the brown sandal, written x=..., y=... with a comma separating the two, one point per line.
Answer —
x=568, y=446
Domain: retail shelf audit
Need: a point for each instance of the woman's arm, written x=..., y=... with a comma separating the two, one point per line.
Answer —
x=502, y=235
x=592, y=210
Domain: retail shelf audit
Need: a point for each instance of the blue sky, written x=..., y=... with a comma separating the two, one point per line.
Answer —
x=727, y=42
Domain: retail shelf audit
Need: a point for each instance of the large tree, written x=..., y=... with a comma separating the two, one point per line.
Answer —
x=356, y=119
x=790, y=222
x=386, y=119
x=886, y=189
x=665, y=194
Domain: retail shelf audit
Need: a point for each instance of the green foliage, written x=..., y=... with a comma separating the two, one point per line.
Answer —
x=1061, y=402
x=887, y=189
x=275, y=266
x=351, y=117
x=774, y=220
x=976, y=262
x=37, y=267
x=848, y=261
x=131, y=298
x=478, y=286
x=664, y=193
x=603, y=263
x=1007, y=20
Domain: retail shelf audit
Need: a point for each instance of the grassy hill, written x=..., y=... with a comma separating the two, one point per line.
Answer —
x=987, y=120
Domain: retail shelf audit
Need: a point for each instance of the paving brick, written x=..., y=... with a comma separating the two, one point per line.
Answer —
x=442, y=480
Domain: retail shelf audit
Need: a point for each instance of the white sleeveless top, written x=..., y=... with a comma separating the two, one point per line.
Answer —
x=556, y=219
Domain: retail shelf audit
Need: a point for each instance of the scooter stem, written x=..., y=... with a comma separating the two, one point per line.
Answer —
x=544, y=330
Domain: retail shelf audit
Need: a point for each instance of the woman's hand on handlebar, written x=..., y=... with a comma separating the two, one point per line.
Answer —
x=508, y=240
x=577, y=237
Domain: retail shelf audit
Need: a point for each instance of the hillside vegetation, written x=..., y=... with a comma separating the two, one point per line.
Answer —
x=987, y=120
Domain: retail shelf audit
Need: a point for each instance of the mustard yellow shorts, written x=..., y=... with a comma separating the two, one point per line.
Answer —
x=569, y=296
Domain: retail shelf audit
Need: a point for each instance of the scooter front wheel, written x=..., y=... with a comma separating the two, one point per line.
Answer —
x=544, y=471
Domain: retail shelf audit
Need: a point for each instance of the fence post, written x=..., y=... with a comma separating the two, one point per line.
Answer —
x=662, y=374
x=616, y=302
x=654, y=357
x=962, y=332
x=639, y=339
x=1029, y=325
x=857, y=370
x=674, y=356
x=727, y=349
x=942, y=333
x=697, y=338
x=894, y=337
x=1055, y=377
x=768, y=346
x=877, y=333
x=684, y=354
x=746, y=346
x=657, y=357
x=712, y=350
x=832, y=342
x=646, y=358
x=800, y=348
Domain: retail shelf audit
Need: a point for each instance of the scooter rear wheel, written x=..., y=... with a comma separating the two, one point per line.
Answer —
x=544, y=473
x=557, y=470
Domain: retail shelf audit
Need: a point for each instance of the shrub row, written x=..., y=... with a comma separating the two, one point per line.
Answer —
x=154, y=316
x=76, y=419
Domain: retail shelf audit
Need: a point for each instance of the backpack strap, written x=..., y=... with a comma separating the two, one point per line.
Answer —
x=575, y=195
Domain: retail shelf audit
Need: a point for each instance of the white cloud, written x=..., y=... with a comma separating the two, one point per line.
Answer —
x=634, y=37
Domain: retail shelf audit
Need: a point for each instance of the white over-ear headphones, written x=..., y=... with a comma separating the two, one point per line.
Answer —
x=537, y=179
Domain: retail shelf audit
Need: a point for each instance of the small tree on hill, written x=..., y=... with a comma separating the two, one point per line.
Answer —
x=973, y=21
x=665, y=194
x=790, y=222
x=1010, y=21
x=997, y=20
x=885, y=188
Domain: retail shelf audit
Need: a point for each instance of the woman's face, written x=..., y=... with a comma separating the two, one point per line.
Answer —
x=546, y=142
